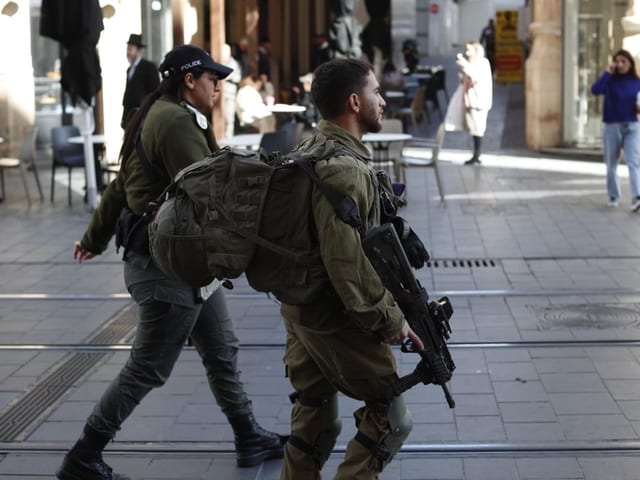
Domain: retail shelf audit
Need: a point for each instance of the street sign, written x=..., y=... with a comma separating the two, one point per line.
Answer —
x=509, y=55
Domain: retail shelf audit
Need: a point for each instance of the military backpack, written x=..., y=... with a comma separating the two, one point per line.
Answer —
x=239, y=211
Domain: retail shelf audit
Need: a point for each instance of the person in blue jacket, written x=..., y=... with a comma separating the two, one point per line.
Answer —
x=620, y=86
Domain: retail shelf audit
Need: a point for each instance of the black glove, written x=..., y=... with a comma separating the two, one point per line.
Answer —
x=414, y=248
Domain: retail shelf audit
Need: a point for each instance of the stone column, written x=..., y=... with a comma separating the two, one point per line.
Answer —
x=543, y=75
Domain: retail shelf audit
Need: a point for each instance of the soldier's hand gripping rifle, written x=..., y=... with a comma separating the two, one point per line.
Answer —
x=429, y=320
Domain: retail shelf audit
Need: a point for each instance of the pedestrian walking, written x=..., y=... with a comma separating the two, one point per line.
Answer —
x=169, y=132
x=620, y=86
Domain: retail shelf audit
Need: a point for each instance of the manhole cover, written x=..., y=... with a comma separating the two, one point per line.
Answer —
x=591, y=316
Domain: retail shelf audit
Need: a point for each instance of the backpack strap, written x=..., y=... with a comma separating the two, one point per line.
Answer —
x=144, y=160
x=343, y=205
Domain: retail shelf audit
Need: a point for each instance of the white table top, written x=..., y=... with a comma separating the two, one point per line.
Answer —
x=285, y=108
x=95, y=138
x=242, y=140
x=386, y=137
x=394, y=94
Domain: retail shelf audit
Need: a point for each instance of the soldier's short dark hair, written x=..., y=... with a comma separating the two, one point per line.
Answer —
x=334, y=81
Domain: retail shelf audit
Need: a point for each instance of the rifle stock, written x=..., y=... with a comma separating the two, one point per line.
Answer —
x=428, y=319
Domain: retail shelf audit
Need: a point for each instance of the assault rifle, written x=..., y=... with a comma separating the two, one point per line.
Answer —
x=429, y=320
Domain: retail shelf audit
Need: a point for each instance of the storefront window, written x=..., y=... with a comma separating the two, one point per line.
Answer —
x=592, y=32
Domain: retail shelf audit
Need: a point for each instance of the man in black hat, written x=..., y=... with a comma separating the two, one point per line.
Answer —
x=142, y=77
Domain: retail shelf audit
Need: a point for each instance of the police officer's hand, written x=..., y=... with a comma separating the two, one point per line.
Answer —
x=80, y=253
x=406, y=332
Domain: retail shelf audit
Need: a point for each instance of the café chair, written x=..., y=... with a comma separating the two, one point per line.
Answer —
x=417, y=109
x=393, y=125
x=282, y=140
x=26, y=158
x=109, y=168
x=65, y=154
x=275, y=142
x=412, y=156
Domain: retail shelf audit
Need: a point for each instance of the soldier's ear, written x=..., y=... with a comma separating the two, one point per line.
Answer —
x=353, y=102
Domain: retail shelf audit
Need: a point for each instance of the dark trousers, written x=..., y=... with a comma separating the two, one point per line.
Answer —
x=168, y=316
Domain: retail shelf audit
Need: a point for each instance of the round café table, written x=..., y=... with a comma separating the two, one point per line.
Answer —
x=393, y=94
x=98, y=140
x=380, y=145
x=283, y=112
x=286, y=108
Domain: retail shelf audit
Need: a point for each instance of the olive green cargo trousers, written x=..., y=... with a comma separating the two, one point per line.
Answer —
x=320, y=362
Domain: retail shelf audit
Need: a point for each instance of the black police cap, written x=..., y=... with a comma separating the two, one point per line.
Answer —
x=186, y=58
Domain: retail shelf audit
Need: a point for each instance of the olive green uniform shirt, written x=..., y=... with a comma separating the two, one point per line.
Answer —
x=366, y=302
x=172, y=139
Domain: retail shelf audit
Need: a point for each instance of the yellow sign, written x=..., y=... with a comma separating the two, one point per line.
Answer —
x=509, y=55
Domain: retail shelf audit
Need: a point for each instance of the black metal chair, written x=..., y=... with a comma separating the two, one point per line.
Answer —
x=282, y=140
x=65, y=154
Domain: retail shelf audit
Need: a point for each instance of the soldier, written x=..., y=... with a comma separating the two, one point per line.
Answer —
x=340, y=341
x=174, y=133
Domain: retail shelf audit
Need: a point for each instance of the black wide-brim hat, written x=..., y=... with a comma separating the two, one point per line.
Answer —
x=185, y=58
x=135, y=39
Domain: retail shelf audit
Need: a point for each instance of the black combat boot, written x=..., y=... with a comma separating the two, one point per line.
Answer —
x=84, y=460
x=254, y=444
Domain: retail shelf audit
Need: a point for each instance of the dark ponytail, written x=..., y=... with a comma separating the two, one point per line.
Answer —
x=170, y=86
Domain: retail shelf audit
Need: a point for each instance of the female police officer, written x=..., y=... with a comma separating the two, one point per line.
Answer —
x=169, y=132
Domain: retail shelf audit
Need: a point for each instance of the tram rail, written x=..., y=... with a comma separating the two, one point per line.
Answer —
x=119, y=347
x=255, y=295
x=572, y=447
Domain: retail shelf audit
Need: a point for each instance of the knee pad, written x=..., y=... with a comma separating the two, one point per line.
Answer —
x=400, y=424
x=325, y=421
